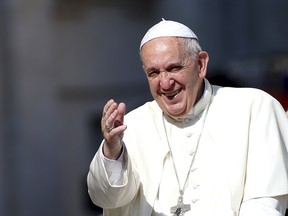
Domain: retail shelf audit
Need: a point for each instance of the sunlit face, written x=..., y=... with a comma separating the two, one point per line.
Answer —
x=175, y=76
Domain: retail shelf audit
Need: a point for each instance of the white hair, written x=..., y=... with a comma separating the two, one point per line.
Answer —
x=192, y=46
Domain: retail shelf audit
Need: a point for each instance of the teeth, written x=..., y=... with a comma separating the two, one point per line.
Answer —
x=172, y=93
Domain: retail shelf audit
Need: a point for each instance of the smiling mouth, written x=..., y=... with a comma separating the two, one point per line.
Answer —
x=171, y=95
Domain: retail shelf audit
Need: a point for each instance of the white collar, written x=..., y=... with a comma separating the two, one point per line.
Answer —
x=201, y=104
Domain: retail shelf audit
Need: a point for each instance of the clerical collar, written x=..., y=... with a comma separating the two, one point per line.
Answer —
x=201, y=104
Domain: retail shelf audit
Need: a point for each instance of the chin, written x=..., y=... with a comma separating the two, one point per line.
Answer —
x=177, y=109
x=176, y=114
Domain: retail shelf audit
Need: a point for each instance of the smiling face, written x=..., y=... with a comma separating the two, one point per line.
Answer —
x=174, y=75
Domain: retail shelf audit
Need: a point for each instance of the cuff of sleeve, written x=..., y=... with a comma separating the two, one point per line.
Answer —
x=267, y=206
x=114, y=168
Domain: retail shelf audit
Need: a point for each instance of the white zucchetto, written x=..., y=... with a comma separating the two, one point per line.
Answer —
x=168, y=28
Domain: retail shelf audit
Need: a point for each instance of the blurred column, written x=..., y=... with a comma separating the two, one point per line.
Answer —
x=239, y=21
x=8, y=203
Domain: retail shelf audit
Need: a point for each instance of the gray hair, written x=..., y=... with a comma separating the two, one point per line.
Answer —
x=192, y=46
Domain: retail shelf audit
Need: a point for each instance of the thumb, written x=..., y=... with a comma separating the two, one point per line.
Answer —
x=121, y=113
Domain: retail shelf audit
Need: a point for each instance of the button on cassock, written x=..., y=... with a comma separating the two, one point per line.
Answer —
x=187, y=120
x=192, y=152
x=194, y=200
x=193, y=169
x=196, y=186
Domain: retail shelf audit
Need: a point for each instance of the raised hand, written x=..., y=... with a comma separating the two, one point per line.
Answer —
x=113, y=128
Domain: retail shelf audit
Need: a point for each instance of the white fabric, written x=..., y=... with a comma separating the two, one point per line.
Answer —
x=272, y=206
x=243, y=155
x=114, y=168
x=267, y=206
x=167, y=28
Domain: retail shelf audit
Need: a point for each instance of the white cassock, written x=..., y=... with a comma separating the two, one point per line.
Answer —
x=240, y=166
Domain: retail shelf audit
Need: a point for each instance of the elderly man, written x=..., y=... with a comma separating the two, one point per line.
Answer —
x=196, y=149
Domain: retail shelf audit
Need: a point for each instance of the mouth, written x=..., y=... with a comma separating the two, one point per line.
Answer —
x=171, y=95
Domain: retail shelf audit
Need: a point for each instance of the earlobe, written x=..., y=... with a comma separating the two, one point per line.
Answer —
x=203, y=59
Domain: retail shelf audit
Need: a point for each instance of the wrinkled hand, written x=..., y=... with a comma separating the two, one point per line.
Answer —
x=113, y=128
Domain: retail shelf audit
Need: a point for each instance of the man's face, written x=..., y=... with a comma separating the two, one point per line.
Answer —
x=175, y=77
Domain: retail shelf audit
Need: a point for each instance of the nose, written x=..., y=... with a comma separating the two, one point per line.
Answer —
x=164, y=74
x=165, y=80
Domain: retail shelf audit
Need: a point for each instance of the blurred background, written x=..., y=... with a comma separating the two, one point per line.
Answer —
x=61, y=60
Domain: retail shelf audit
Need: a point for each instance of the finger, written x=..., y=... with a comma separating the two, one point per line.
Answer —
x=107, y=106
x=105, y=123
x=117, y=131
x=111, y=118
x=120, y=115
x=108, y=127
x=117, y=116
x=115, y=135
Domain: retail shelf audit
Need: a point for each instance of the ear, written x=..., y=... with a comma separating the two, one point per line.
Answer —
x=203, y=59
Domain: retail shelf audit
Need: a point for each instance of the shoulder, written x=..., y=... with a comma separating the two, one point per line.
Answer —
x=254, y=92
x=243, y=96
x=245, y=102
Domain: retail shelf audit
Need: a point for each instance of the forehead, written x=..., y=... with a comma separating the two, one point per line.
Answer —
x=173, y=43
x=163, y=47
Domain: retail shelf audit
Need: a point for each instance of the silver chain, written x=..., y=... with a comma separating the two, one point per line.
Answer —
x=181, y=191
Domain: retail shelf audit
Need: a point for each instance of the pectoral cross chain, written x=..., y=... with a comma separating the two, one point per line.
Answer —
x=180, y=208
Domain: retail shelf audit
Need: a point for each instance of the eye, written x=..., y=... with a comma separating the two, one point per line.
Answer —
x=152, y=73
x=175, y=68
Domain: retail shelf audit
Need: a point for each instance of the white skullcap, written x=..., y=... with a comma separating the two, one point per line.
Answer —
x=166, y=28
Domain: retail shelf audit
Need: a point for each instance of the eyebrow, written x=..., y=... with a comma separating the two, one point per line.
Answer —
x=166, y=68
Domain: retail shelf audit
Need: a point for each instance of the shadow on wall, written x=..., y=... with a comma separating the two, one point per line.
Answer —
x=74, y=9
x=221, y=78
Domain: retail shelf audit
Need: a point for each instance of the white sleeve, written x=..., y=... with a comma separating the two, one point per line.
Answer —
x=268, y=206
x=114, y=169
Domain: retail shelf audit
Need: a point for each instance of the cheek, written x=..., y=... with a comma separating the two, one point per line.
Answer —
x=153, y=85
x=186, y=80
x=192, y=79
